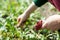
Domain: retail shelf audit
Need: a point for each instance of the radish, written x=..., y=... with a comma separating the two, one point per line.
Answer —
x=38, y=25
x=51, y=23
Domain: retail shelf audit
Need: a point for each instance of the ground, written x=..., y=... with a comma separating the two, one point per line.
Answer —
x=11, y=9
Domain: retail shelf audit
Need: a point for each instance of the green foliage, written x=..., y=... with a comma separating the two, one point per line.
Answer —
x=9, y=11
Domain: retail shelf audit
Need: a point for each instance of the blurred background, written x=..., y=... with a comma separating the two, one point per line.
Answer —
x=11, y=9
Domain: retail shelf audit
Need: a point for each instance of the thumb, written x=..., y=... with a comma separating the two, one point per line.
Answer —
x=44, y=25
x=19, y=22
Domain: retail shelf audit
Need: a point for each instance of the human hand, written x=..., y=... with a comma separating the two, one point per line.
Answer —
x=52, y=23
x=21, y=19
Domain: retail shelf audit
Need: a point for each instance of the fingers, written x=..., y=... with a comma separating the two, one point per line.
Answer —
x=18, y=20
x=18, y=24
x=45, y=25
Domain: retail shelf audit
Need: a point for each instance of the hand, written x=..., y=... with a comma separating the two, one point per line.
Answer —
x=26, y=14
x=21, y=19
x=52, y=23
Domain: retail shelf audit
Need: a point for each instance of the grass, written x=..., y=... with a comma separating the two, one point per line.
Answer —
x=9, y=11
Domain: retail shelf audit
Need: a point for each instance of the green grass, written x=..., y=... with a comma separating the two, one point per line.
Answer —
x=9, y=11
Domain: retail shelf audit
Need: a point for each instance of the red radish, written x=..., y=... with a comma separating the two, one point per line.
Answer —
x=38, y=25
x=51, y=23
